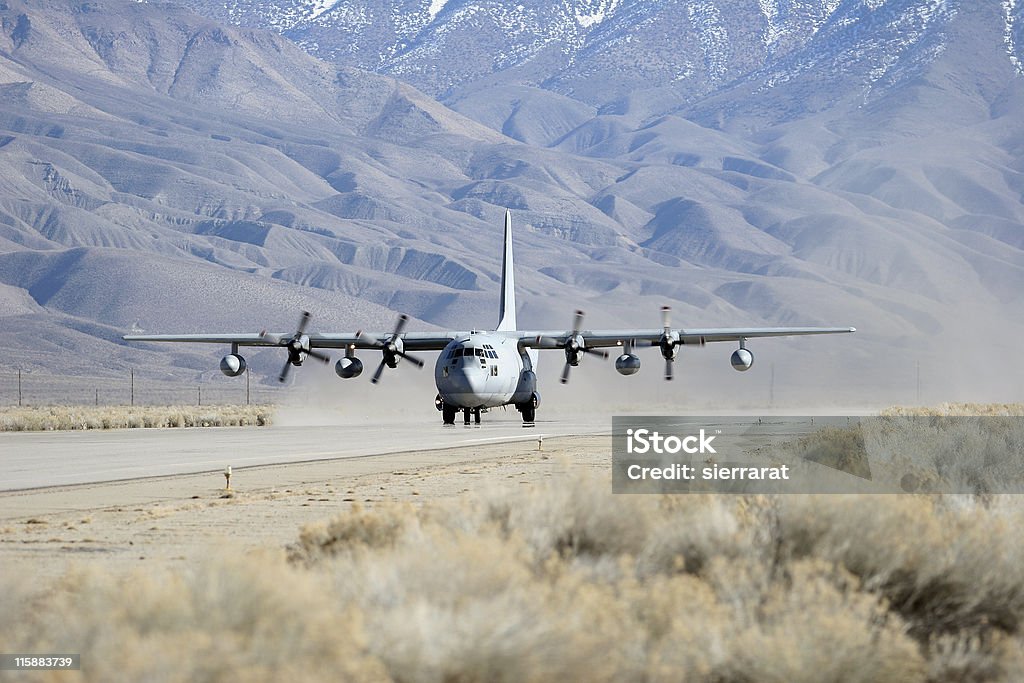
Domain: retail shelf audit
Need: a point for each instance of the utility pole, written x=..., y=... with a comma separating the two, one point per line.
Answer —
x=132, y=395
x=199, y=389
x=97, y=397
x=19, y=387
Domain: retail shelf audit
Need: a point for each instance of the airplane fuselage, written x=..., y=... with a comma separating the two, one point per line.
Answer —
x=484, y=370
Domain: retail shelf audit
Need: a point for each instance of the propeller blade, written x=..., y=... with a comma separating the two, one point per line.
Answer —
x=412, y=359
x=666, y=318
x=577, y=322
x=403, y=319
x=668, y=370
x=547, y=343
x=322, y=357
x=274, y=339
x=303, y=321
x=565, y=373
x=596, y=352
x=377, y=373
x=284, y=371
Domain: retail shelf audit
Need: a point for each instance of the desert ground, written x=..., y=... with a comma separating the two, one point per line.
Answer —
x=504, y=561
x=179, y=519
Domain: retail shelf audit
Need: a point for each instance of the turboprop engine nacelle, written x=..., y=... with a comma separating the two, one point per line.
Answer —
x=347, y=368
x=232, y=365
x=741, y=360
x=627, y=364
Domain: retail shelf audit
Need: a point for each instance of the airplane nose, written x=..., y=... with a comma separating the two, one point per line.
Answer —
x=467, y=380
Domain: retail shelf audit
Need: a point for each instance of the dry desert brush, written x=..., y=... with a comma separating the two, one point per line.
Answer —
x=48, y=418
x=565, y=581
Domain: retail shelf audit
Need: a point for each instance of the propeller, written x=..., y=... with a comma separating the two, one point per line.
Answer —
x=297, y=346
x=574, y=346
x=668, y=342
x=392, y=350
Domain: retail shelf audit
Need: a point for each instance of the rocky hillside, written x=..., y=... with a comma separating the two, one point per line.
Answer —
x=167, y=172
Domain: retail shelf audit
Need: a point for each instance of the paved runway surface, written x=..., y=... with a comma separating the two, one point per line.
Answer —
x=41, y=459
x=46, y=459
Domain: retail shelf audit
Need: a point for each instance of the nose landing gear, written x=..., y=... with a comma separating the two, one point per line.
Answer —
x=448, y=412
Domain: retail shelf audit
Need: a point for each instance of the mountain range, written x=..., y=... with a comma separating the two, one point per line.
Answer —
x=220, y=166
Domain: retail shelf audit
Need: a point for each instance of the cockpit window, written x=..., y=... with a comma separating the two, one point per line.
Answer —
x=480, y=352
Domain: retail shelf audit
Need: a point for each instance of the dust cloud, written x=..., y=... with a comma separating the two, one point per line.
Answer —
x=318, y=397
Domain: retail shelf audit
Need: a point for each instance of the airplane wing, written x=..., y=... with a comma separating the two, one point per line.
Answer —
x=665, y=336
x=239, y=339
x=695, y=336
x=414, y=341
x=300, y=345
x=397, y=344
x=578, y=341
x=541, y=339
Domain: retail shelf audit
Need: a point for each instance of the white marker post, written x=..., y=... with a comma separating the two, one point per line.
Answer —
x=227, y=478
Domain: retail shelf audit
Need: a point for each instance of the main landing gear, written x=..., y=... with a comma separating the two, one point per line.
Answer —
x=448, y=412
x=529, y=409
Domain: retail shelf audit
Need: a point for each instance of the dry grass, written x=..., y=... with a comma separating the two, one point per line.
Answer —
x=232, y=619
x=565, y=581
x=791, y=588
x=964, y=409
x=48, y=418
x=939, y=450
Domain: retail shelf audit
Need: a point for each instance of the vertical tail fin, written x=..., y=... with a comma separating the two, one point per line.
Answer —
x=507, y=312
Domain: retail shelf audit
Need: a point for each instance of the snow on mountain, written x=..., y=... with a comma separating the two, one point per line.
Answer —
x=1011, y=29
x=745, y=161
x=599, y=51
x=874, y=37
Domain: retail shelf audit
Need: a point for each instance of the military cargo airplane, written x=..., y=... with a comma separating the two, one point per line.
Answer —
x=478, y=370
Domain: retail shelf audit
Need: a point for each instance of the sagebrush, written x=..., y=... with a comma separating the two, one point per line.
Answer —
x=565, y=581
x=47, y=418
